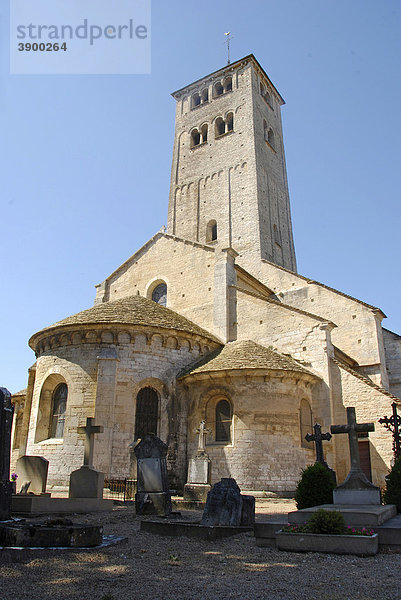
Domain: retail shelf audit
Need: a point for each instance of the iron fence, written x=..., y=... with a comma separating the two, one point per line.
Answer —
x=120, y=489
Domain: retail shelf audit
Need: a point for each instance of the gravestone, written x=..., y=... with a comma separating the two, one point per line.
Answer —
x=356, y=489
x=225, y=506
x=87, y=482
x=6, y=421
x=33, y=470
x=317, y=437
x=153, y=494
x=199, y=468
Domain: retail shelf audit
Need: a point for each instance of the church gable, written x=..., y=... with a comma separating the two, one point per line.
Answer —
x=185, y=268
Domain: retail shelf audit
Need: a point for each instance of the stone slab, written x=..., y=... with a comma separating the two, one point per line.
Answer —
x=194, y=530
x=329, y=544
x=265, y=533
x=196, y=492
x=390, y=534
x=33, y=469
x=199, y=470
x=364, y=515
x=86, y=482
x=27, y=505
x=38, y=535
x=343, y=496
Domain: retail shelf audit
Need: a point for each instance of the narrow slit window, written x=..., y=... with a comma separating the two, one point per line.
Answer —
x=204, y=133
x=59, y=404
x=223, y=421
x=230, y=122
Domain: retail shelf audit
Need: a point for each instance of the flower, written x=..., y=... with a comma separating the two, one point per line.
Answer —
x=14, y=476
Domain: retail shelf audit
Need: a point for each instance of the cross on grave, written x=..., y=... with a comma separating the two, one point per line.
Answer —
x=89, y=430
x=318, y=438
x=392, y=424
x=202, y=431
x=353, y=428
x=356, y=489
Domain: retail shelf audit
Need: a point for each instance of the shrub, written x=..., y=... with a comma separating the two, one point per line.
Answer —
x=329, y=522
x=392, y=494
x=315, y=487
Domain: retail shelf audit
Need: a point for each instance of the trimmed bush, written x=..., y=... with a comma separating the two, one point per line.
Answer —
x=392, y=494
x=315, y=487
x=329, y=522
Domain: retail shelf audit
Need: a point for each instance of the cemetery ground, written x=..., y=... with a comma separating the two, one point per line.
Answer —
x=147, y=566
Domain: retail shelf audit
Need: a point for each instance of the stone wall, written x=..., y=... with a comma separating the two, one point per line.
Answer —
x=392, y=346
x=103, y=381
x=265, y=452
x=351, y=389
x=186, y=268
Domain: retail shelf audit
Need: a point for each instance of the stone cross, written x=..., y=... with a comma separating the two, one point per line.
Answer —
x=353, y=428
x=89, y=430
x=202, y=431
x=392, y=424
x=6, y=420
x=318, y=438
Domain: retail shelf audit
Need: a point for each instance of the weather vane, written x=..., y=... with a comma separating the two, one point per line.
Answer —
x=228, y=39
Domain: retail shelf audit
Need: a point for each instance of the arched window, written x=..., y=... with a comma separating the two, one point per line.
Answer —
x=218, y=89
x=59, y=404
x=228, y=84
x=195, y=138
x=147, y=412
x=205, y=95
x=230, y=121
x=223, y=421
x=306, y=424
x=159, y=294
x=270, y=137
x=220, y=127
x=196, y=99
x=211, y=231
x=204, y=133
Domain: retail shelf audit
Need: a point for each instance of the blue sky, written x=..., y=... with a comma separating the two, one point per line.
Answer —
x=85, y=160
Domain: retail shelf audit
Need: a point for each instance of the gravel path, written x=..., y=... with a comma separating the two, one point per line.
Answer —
x=152, y=567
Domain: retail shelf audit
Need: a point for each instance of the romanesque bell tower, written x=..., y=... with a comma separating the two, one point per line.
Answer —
x=228, y=178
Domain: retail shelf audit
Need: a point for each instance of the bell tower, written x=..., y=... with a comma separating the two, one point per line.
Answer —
x=228, y=179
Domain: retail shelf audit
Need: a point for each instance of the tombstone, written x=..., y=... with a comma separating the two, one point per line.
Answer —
x=6, y=421
x=225, y=506
x=199, y=469
x=33, y=470
x=356, y=489
x=317, y=437
x=87, y=482
x=153, y=494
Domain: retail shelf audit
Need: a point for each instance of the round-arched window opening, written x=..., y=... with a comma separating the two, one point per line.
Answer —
x=159, y=294
x=147, y=412
x=59, y=404
x=223, y=421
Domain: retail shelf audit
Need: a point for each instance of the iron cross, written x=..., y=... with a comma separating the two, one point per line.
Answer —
x=318, y=438
x=353, y=428
x=392, y=424
x=89, y=430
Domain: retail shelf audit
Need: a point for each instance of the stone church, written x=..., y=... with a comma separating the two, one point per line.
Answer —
x=210, y=320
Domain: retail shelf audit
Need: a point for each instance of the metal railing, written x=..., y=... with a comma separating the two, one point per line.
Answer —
x=120, y=489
